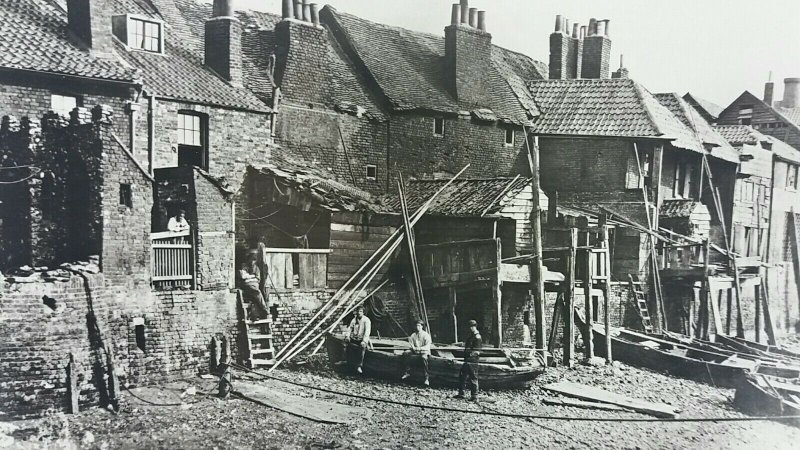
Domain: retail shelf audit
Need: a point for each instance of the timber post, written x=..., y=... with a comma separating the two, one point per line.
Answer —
x=537, y=280
x=587, y=304
x=72, y=386
x=497, y=294
x=569, y=300
x=604, y=243
x=757, y=296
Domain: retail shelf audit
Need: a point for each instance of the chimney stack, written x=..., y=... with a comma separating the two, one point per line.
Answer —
x=90, y=20
x=563, y=51
x=596, y=54
x=769, y=90
x=622, y=72
x=468, y=55
x=791, y=92
x=223, y=42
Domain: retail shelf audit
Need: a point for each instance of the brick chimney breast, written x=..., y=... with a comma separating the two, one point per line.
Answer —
x=563, y=52
x=596, y=54
x=302, y=62
x=223, y=43
x=90, y=21
x=468, y=56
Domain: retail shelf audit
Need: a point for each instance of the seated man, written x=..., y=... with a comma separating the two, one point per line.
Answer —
x=249, y=283
x=178, y=222
x=420, y=349
x=358, y=338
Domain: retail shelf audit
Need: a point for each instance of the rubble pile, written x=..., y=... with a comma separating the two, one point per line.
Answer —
x=38, y=274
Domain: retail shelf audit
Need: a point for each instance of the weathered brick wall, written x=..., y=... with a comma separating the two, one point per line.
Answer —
x=415, y=151
x=215, y=240
x=235, y=138
x=294, y=308
x=38, y=338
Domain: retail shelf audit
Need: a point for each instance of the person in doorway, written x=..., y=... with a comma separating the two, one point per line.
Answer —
x=420, y=350
x=469, y=370
x=358, y=339
x=178, y=222
x=250, y=283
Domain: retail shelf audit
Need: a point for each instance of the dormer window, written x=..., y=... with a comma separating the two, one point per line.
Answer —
x=139, y=32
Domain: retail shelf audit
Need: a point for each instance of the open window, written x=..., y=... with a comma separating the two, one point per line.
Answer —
x=192, y=139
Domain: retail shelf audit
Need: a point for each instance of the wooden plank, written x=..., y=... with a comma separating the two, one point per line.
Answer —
x=591, y=393
x=606, y=287
x=277, y=270
x=569, y=299
x=581, y=404
x=537, y=280
x=587, y=305
x=308, y=408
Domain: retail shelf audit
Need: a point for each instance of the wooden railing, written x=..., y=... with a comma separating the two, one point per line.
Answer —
x=296, y=268
x=172, y=260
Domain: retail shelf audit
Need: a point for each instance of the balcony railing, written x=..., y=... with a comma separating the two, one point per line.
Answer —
x=297, y=268
x=172, y=260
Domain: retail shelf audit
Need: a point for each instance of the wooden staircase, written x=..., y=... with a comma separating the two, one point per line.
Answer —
x=640, y=298
x=257, y=338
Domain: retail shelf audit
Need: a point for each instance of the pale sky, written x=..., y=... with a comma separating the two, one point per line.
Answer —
x=715, y=49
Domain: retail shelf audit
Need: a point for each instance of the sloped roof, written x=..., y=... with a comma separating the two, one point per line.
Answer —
x=679, y=208
x=791, y=114
x=408, y=67
x=33, y=36
x=606, y=107
x=463, y=198
x=780, y=113
x=711, y=109
x=740, y=135
x=696, y=123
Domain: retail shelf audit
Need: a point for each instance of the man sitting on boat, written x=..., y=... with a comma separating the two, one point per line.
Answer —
x=420, y=349
x=358, y=338
x=469, y=371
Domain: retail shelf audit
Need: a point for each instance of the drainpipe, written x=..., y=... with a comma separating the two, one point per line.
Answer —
x=151, y=132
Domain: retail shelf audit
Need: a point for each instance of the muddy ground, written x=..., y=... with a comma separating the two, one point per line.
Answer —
x=168, y=417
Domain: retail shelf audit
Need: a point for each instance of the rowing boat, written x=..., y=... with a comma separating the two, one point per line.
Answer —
x=497, y=369
x=765, y=396
x=757, y=348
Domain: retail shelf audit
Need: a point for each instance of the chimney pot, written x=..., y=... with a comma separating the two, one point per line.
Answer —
x=306, y=12
x=482, y=20
x=473, y=17
x=769, y=91
x=314, y=14
x=791, y=92
x=222, y=8
x=601, y=28
x=583, y=32
x=576, y=30
x=464, y=11
x=592, y=27
x=566, y=26
x=298, y=9
x=559, y=23
x=607, y=21
x=455, y=16
x=288, y=10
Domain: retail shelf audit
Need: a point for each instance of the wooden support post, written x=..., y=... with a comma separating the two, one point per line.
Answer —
x=498, y=298
x=702, y=315
x=587, y=294
x=569, y=299
x=757, y=296
x=451, y=291
x=715, y=309
x=738, y=292
x=728, y=311
x=412, y=252
x=769, y=326
x=72, y=380
x=692, y=306
x=537, y=280
x=606, y=287
x=557, y=309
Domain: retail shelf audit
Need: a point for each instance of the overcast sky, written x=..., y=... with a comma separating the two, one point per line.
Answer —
x=713, y=48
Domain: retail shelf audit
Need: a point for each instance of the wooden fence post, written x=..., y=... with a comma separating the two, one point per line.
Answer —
x=569, y=300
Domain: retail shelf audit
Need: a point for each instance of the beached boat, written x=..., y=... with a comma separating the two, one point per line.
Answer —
x=757, y=348
x=497, y=368
x=765, y=396
x=643, y=350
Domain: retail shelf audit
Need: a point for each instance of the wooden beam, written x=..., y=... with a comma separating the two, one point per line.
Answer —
x=551, y=343
x=591, y=393
x=795, y=244
x=412, y=252
x=587, y=305
x=769, y=326
x=728, y=311
x=606, y=287
x=569, y=299
x=453, y=297
x=497, y=292
x=757, y=296
x=537, y=280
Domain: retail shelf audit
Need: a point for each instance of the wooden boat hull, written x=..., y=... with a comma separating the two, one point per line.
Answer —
x=712, y=371
x=756, y=399
x=442, y=371
x=757, y=348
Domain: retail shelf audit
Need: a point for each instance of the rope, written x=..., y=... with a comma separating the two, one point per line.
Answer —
x=518, y=415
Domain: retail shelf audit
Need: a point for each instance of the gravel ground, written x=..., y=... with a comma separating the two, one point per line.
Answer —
x=203, y=421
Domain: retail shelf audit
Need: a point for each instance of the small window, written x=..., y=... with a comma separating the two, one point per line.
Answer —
x=791, y=176
x=125, y=195
x=438, y=126
x=371, y=171
x=144, y=35
x=510, y=135
x=192, y=139
x=141, y=341
x=746, y=114
x=63, y=104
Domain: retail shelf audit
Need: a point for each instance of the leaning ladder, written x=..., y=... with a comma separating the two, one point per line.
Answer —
x=640, y=298
x=258, y=336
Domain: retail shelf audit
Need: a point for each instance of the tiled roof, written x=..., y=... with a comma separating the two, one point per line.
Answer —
x=791, y=114
x=702, y=130
x=463, y=198
x=739, y=135
x=704, y=106
x=408, y=67
x=679, y=208
x=33, y=36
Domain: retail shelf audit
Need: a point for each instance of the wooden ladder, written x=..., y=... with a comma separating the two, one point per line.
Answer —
x=258, y=335
x=640, y=298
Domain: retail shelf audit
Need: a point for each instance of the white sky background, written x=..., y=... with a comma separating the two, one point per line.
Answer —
x=715, y=49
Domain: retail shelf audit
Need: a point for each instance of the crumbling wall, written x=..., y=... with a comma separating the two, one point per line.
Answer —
x=153, y=336
x=215, y=240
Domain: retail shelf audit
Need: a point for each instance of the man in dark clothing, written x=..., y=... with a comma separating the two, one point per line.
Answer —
x=469, y=371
